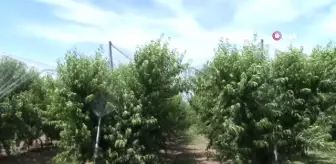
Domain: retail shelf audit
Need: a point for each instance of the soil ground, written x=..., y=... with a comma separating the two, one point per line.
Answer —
x=184, y=150
x=33, y=156
x=189, y=150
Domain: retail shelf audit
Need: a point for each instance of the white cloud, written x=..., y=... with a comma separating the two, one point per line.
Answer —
x=329, y=23
x=127, y=30
x=265, y=11
x=261, y=12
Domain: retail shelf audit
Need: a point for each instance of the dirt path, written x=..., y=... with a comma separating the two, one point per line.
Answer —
x=186, y=150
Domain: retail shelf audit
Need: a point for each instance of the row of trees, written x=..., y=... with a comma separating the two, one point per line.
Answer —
x=252, y=108
x=255, y=109
x=142, y=101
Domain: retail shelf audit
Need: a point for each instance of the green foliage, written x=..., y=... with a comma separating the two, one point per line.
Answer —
x=252, y=108
x=258, y=110
x=143, y=102
x=20, y=105
x=158, y=70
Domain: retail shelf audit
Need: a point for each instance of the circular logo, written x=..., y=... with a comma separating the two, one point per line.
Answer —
x=277, y=35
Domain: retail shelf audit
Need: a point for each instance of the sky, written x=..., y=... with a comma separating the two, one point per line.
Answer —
x=40, y=32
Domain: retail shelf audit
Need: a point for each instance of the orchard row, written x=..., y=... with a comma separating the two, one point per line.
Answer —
x=252, y=108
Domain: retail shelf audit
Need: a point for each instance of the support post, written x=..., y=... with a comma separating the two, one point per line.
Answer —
x=110, y=54
x=262, y=46
x=97, y=142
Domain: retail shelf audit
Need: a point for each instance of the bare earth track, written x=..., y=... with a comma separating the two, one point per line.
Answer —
x=185, y=150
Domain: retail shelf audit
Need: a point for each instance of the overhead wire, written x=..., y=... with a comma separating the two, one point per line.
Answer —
x=26, y=60
x=122, y=53
x=6, y=87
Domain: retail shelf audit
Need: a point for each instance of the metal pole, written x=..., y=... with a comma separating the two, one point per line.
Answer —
x=262, y=46
x=97, y=141
x=110, y=53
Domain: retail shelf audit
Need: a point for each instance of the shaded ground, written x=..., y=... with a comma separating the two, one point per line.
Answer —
x=187, y=150
x=184, y=150
x=34, y=156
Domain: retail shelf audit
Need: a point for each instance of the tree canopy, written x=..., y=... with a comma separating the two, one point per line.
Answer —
x=253, y=108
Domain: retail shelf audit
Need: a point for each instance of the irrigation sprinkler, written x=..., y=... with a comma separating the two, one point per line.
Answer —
x=100, y=109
